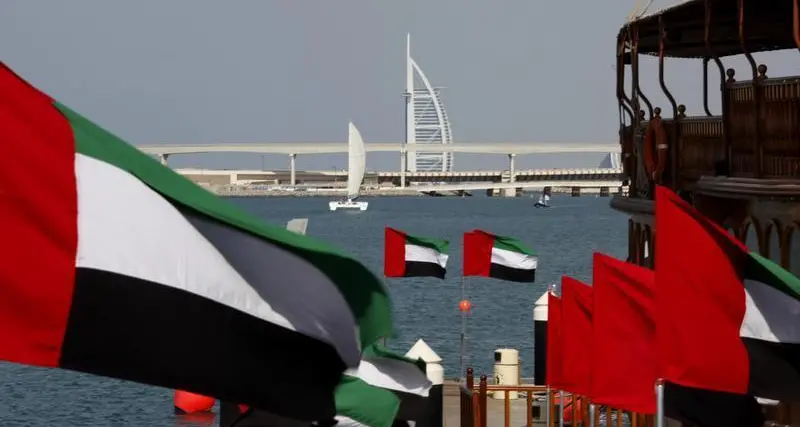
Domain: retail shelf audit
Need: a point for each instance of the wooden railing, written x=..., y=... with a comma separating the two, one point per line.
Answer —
x=471, y=413
x=474, y=407
x=758, y=136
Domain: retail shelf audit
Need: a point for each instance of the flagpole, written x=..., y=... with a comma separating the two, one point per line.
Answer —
x=659, y=403
x=592, y=410
x=561, y=408
x=463, y=325
x=547, y=414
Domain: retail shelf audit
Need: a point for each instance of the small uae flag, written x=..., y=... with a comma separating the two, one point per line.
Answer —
x=384, y=389
x=413, y=256
x=499, y=257
x=115, y=265
x=734, y=312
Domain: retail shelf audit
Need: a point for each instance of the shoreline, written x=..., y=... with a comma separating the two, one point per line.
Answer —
x=327, y=194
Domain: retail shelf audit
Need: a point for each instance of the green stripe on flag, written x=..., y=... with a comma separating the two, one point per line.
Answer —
x=512, y=244
x=438, y=245
x=377, y=350
x=365, y=293
x=771, y=274
x=371, y=406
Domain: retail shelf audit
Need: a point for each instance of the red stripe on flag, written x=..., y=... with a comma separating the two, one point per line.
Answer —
x=38, y=213
x=477, y=253
x=394, y=253
x=576, y=323
x=700, y=299
x=554, y=340
x=623, y=340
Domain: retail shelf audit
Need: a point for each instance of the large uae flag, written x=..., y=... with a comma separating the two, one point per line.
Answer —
x=499, y=257
x=576, y=337
x=623, y=317
x=385, y=389
x=734, y=312
x=413, y=256
x=115, y=265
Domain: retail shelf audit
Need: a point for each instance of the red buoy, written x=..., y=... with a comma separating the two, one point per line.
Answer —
x=190, y=403
x=464, y=306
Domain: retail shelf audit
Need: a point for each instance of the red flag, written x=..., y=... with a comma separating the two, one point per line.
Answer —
x=477, y=253
x=553, y=367
x=623, y=340
x=708, y=309
x=576, y=323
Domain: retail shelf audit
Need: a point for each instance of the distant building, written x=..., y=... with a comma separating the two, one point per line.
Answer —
x=426, y=120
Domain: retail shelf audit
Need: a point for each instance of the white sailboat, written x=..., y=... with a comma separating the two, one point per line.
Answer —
x=356, y=168
x=543, y=202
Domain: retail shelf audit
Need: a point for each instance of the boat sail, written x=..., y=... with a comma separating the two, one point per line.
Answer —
x=543, y=202
x=356, y=168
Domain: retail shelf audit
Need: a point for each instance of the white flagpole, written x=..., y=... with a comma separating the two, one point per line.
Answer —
x=463, y=325
x=592, y=409
x=561, y=408
x=547, y=414
x=660, y=403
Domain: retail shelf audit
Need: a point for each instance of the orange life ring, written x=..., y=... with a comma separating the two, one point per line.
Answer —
x=655, y=149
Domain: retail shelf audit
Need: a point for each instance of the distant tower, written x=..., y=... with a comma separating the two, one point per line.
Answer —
x=426, y=120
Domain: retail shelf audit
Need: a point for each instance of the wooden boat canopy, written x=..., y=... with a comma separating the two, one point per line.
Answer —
x=708, y=28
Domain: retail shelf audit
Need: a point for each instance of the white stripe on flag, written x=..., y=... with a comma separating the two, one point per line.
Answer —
x=125, y=227
x=423, y=254
x=348, y=422
x=770, y=315
x=392, y=374
x=511, y=259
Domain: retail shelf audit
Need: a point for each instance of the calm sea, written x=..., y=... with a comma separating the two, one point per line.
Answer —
x=564, y=237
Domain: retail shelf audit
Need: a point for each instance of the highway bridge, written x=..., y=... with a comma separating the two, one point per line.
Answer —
x=602, y=179
x=295, y=148
x=292, y=149
x=244, y=177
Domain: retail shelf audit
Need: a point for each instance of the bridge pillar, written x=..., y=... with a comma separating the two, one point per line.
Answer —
x=403, y=168
x=511, y=172
x=293, y=169
x=576, y=191
x=163, y=159
x=605, y=192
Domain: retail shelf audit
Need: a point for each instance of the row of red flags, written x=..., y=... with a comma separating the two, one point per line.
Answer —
x=612, y=341
x=601, y=337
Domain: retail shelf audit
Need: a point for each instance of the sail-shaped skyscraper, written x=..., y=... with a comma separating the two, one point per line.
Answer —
x=426, y=120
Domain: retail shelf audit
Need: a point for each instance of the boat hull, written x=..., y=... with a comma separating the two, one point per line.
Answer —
x=347, y=205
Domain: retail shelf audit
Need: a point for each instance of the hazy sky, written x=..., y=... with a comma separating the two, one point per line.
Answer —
x=212, y=71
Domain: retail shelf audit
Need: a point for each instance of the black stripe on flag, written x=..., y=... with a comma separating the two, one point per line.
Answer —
x=502, y=272
x=424, y=269
x=142, y=331
x=774, y=369
x=421, y=409
x=711, y=408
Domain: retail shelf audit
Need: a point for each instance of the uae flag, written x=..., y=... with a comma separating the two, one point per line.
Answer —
x=499, y=257
x=387, y=389
x=120, y=267
x=623, y=318
x=413, y=256
x=576, y=338
x=734, y=313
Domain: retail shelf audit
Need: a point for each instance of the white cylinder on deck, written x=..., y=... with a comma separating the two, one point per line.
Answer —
x=506, y=371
